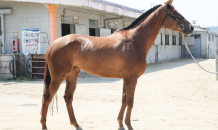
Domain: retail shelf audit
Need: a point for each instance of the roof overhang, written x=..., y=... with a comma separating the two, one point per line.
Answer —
x=94, y=4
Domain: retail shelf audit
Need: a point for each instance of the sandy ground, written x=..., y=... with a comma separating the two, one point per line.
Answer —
x=175, y=95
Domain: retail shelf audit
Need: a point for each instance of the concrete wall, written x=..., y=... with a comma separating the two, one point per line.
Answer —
x=205, y=43
x=91, y=4
x=4, y=65
x=84, y=17
x=212, y=46
x=25, y=15
x=164, y=52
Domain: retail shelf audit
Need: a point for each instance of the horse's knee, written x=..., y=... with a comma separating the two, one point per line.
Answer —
x=124, y=103
x=130, y=104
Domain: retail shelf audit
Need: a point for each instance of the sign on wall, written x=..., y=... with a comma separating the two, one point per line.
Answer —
x=30, y=41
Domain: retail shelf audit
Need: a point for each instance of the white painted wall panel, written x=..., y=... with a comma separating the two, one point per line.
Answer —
x=80, y=29
x=189, y=41
x=105, y=32
x=25, y=15
x=158, y=40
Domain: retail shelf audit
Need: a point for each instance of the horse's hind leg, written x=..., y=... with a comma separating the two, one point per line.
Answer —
x=70, y=88
x=48, y=96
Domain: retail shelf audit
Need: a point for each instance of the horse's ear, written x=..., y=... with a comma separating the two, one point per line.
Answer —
x=169, y=2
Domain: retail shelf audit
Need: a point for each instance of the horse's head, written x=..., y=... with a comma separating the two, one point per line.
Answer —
x=174, y=20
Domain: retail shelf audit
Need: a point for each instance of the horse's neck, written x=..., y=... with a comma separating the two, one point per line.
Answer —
x=146, y=32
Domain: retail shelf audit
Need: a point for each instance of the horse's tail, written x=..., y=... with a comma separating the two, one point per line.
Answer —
x=47, y=81
x=47, y=78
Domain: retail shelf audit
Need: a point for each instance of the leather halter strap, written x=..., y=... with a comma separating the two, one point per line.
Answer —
x=176, y=20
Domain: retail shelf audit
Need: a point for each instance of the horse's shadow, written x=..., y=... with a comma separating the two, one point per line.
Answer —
x=89, y=78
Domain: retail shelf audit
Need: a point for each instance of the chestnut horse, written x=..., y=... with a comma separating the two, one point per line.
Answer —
x=121, y=55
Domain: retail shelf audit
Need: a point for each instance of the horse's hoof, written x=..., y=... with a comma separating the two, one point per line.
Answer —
x=121, y=128
x=79, y=128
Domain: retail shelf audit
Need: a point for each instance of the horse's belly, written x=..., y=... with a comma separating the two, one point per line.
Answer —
x=101, y=68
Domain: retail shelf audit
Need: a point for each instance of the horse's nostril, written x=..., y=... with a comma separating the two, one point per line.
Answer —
x=192, y=28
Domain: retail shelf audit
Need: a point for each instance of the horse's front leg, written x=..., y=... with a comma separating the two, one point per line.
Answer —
x=123, y=107
x=130, y=91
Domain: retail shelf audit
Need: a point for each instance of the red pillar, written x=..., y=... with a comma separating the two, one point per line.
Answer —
x=52, y=23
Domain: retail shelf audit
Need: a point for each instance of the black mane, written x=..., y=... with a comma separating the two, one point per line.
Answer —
x=146, y=14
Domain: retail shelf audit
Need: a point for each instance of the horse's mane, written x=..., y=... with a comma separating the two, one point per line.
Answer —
x=146, y=14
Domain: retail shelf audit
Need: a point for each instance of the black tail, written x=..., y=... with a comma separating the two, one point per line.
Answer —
x=47, y=78
x=47, y=81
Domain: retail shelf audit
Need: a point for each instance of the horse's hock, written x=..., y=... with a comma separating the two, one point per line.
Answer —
x=11, y=66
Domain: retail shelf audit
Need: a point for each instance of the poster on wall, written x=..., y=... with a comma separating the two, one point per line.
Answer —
x=30, y=41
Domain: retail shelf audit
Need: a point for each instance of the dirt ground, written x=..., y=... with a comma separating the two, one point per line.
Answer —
x=174, y=95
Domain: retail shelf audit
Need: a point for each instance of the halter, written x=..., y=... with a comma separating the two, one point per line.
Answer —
x=181, y=26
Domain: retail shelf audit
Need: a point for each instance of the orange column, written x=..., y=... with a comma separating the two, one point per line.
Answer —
x=52, y=10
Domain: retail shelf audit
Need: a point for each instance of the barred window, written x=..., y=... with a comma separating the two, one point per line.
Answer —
x=167, y=42
x=174, y=40
x=161, y=39
x=180, y=38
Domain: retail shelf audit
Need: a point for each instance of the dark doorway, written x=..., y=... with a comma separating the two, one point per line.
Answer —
x=113, y=30
x=65, y=29
x=92, y=32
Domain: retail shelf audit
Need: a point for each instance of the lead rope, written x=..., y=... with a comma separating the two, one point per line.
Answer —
x=194, y=58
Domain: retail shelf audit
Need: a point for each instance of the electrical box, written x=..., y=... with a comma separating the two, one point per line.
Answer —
x=14, y=45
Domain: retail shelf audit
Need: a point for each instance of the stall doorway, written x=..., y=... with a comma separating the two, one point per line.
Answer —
x=65, y=29
x=92, y=32
x=113, y=30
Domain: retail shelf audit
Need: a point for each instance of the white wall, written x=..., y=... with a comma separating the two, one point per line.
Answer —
x=25, y=15
x=212, y=46
x=84, y=17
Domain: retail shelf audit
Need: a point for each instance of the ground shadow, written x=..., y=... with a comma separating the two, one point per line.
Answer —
x=165, y=65
x=85, y=77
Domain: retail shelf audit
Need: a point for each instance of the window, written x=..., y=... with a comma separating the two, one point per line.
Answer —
x=197, y=36
x=0, y=27
x=161, y=39
x=213, y=38
x=167, y=42
x=180, y=39
x=93, y=28
x=208, y=37
x=93, y=23
x=1, y=34
x=174, y=39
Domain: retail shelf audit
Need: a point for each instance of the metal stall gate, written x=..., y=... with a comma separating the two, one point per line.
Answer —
x=37, y=66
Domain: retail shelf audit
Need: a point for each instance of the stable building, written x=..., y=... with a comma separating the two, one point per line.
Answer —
x=29, y=27
x=202, y=44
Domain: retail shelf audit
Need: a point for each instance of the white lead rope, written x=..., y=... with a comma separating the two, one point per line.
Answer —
x=194, y=58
